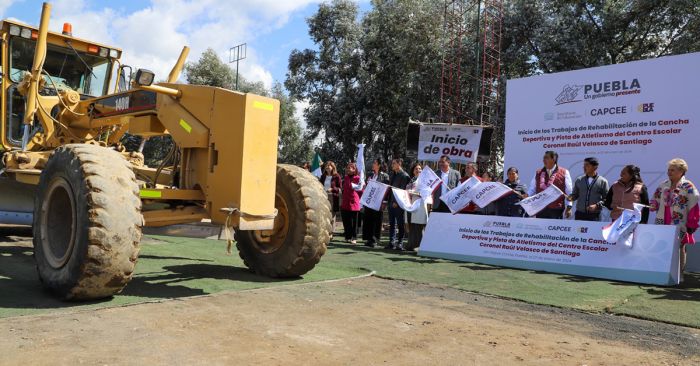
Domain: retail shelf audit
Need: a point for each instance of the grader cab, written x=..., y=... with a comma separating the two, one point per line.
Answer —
x=67, y=172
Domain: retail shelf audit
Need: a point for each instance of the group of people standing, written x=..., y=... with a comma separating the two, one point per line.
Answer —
x=345, y=192
x=675, y=201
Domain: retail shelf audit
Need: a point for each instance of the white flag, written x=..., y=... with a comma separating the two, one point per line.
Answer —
x=534, y=204
x=488, y=192
x=373, y=195
x=360, y=167
x=458, y=198
x=620, y=231
x=403, y=199
x=427, y=182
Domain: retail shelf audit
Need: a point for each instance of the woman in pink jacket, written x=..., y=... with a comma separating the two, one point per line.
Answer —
x=676, y=203
x=350, y=202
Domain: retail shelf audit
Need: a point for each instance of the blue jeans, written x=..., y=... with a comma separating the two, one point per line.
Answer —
x=396, y=218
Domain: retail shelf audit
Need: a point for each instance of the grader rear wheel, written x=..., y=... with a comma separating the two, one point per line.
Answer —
x=301, y=231
x=87, y=222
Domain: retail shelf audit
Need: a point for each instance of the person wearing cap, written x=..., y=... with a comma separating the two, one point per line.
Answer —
x=590, y=191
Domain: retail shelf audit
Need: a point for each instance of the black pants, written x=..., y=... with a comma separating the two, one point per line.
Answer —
x=551, y=213
x=587, y=216
x=349, y=223
x=442, y=208
x=415, y=235
x=396, y=218
x=372, y=226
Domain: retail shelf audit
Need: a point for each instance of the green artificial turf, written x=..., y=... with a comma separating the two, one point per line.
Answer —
x=180, y=267
x=168, y=267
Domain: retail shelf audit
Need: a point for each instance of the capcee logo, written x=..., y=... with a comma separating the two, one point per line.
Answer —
x=559, y=228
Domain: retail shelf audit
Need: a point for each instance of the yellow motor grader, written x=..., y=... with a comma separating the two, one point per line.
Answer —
x=67, y=105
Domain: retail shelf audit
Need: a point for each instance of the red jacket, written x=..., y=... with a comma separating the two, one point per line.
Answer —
x=558, y=178
x=351, y=198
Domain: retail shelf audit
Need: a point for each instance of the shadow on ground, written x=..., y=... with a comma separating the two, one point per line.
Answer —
x=20, y=286
x=688, y=290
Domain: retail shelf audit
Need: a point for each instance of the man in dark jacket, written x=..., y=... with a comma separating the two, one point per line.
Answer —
x=590, y=191
x=507, y=205
x=450, y=180
x=399, y=179
x=372, y=220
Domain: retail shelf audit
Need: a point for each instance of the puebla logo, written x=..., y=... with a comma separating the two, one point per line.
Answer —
x=575, y=93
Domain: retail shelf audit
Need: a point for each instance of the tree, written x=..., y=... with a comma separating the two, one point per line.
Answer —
x=553, y=36
x=330, y=79
x=293, y=147
x=210, y=70
x=402, y=50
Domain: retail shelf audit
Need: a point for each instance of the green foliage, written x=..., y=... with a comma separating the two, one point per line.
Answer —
x=564, y=35
x=402, y=63
x=293, y=147
x=330, y=80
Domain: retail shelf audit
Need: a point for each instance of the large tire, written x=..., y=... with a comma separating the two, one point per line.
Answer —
x=87, y=222
x=302, y=228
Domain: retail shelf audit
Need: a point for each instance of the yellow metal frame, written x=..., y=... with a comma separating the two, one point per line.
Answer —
x=227, y=142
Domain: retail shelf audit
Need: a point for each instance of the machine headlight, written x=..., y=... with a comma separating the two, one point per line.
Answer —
x=144, y=77
x=113, y=53
x=104, y=52
x=14, y=30
x=26, y=33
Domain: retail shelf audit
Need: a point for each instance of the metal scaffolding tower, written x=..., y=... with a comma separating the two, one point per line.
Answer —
x=471, y=63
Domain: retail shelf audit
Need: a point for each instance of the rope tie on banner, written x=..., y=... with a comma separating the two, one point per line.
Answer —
x=227, y=233
x=228, y=226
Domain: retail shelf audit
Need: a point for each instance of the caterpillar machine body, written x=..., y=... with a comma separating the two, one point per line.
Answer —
x=67, y=173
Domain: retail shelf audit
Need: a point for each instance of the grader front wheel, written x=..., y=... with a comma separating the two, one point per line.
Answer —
x=301, y=231
x=87, y=222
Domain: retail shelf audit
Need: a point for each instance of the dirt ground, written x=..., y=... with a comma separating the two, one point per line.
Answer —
x=366, y=321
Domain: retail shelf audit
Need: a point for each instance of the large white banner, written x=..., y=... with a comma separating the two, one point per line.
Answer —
x=644, y=113
x=459, y=142
x=572, y=247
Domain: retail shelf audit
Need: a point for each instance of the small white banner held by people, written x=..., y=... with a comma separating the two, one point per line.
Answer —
x=488, y=192
x=360, y=167
x=534, y=204
x=373, y=196
x=403, y=199
x=459, y=142
x=458, y=198
x=427, y=182
x=621, y=230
